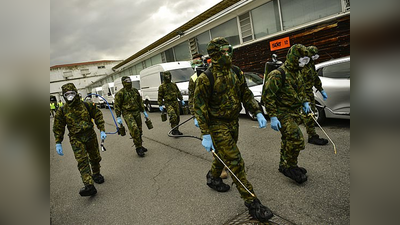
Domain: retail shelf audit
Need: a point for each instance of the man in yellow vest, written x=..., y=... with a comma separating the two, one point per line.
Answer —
x=60, y=104
x=52, y=108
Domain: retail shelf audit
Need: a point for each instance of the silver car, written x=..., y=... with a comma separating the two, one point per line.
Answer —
x=335, y=78
x=255, y=83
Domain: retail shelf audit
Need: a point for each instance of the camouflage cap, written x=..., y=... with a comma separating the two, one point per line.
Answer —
x=123, y=78
x=198, y=55
x=69, y=87
x=214, y=46
x=312, y=50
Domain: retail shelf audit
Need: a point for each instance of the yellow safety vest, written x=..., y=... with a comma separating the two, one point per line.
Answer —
x=52, y=106
x=60, y=104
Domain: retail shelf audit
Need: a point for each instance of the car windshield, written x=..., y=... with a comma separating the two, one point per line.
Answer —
x=181, y=75
x=253, y=78
x=341, y=70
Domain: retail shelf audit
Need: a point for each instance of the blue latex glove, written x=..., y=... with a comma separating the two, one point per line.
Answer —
x=59, y=149
x=207, y=142
x=145, y=114
x=161, y=108
x=324, y=95
x=103, y=135
x=119, y=121
x=275, y=124
x=196, y=123
x=261, y=120
x=183, y=102
x=306, y=107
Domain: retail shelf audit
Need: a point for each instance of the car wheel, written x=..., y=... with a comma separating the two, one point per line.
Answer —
x=320, y=114
x=148, y=106
x=251, y=115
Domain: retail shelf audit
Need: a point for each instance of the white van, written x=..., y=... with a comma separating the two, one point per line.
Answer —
x=108, y=91
x=135, y=83
x=152, y=77
x=97, y=100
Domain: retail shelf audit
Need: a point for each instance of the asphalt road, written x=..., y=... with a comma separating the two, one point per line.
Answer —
x=168, y=186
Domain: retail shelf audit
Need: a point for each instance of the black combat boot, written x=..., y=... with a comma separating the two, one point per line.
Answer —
x=98, y=178
x=316, y=140
x=178, y=132
x=258, y=211
x=88, y=190
x=144, y=149
x=140, y=152
x=216, y=183
x=297, y=174
x=303, y=170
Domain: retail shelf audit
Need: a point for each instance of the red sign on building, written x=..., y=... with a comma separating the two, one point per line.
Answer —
x=279, y=44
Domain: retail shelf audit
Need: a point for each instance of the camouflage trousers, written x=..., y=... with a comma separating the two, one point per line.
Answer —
x=292, y=138
x=307, y=120
x=134, y=122
x=86, y=152
x=225, y=136
x=173, y=112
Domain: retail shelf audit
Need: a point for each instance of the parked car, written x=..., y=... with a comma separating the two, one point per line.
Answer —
x=335, y=78
x=255, y=83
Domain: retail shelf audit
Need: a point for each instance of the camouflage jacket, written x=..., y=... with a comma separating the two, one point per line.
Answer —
x=278, y=97
x=225, y=101
x=168, y=92
x=311, y=78
x=191, y=88
x=77, y=117
x=128, y=100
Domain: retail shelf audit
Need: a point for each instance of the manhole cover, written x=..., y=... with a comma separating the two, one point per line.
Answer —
x=245, y=219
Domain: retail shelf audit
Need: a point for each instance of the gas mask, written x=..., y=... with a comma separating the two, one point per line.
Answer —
x=315, y=57
x=70, y=95
x=127, y=83
x=303, y=61
x=226, y=56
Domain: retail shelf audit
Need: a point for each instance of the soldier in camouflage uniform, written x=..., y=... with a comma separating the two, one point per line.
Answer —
x=129, y=103
x=217, y=108
x=168, y=94
x=284, y=102
x=77, y=115
x=311, y=79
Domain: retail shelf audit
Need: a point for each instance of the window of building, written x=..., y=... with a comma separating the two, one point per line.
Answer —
x=101, y=67
x=139, y=67
x=156, y=59
x=266, y=19
x=245, y=27
x=299, y=12
x=228, y=30
x=148, y=62
x=169, y=55
x=67, y=74
x=202, y=42
x=182, y=52
x=85, y=72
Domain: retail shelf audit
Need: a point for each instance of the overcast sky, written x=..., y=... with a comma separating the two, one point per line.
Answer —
x=93, y=30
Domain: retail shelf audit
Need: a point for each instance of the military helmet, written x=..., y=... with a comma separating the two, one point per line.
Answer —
x=215, y=45
x=312, y=50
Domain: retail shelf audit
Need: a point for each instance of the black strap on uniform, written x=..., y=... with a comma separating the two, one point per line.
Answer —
x=283, y=75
